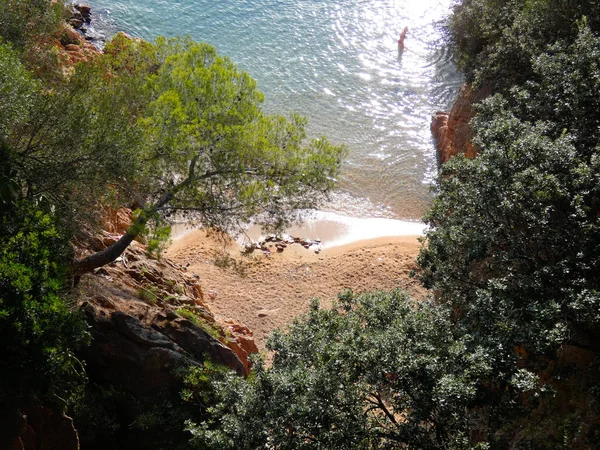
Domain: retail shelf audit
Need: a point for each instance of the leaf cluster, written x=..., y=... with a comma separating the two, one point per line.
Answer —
x=375, y=371
x=38, y=330
x=172, y=128
x=514, y=233
x=24, y=21
x=497, y=40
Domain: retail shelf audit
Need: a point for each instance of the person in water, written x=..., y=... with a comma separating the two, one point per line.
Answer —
x=401, y=40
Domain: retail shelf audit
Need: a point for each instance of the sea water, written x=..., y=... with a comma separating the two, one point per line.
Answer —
x=336, y=62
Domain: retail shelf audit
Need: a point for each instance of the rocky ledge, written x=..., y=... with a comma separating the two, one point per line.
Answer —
x=148, y=318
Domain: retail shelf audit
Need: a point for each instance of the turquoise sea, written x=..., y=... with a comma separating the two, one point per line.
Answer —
x=336, y=62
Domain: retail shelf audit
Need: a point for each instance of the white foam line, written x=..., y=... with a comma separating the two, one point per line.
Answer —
x=354, y=229
x=332, y=229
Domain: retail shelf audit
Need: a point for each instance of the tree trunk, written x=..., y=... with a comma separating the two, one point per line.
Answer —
x=109, y=254
x=103, y=257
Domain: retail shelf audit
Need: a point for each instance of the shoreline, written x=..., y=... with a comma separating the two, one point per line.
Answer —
x=328, y=228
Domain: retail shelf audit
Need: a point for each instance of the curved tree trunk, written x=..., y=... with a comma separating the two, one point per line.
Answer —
x=103, y=257
x=109, y=254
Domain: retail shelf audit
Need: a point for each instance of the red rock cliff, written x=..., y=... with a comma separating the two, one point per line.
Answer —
x=451, y=130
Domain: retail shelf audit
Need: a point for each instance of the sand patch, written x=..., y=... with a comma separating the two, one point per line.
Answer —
x=267, y=293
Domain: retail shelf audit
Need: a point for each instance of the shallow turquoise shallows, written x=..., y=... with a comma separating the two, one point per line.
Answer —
x=336, y=62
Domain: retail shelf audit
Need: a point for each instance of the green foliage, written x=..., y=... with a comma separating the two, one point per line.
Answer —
x=68, y=143
x=147, y=295
x=375, y=371
x=498, y=40
x=563, y=90
x=96, y=414
x=110, y=417
x=159, y=240
x=199, y=321
x=214, y=151
x=38, y=331
x=171, y=127
x=515, y=234
x=189, y=315
x=18, y=93
x=200, y=385
x=22, y=21
x=9, y=187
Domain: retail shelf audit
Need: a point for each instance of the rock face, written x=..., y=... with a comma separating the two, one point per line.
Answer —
x=141, y=354
x=39, y=428
x=117, y=221
x=73, y=48
x=451, y=130
x=148, y=318
x=243, y=341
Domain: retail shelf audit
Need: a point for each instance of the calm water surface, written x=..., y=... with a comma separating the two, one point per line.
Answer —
x=336, y=62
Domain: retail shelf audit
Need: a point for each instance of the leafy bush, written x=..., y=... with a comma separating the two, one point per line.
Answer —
x=22, y=21
x=515, y=238
x=38, y=331
x=375, y=371
x=497, y=40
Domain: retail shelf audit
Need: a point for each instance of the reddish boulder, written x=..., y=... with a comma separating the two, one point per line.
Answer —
x=241, y=341
x=38, y=428
x=451, y=131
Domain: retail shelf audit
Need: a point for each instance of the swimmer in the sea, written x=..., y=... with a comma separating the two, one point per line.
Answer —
x=401, y=39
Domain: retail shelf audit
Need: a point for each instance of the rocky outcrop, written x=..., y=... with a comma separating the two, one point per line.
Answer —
x=38, y=428
x=451, y=131
x=72, y=47
x=148, y=318
x=143, y=353
x=242, y=342
x=69, y=43
x=116, y=221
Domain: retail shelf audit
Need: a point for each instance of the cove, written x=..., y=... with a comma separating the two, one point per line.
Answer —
x=336, y=62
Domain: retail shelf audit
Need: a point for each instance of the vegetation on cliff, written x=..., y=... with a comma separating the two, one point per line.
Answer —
x=37, y=329
x=377, y=370
x=164, y=127
x=207, y=149
x=513, y=247
x=498, y=42
x=512, y=261
x=510, y=332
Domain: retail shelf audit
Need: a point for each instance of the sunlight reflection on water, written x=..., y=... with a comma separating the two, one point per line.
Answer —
x=336, y=62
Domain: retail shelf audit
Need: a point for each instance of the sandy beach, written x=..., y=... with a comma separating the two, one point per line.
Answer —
x=267, y=292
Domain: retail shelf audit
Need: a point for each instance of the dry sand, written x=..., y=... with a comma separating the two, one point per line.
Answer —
x=266, y=293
